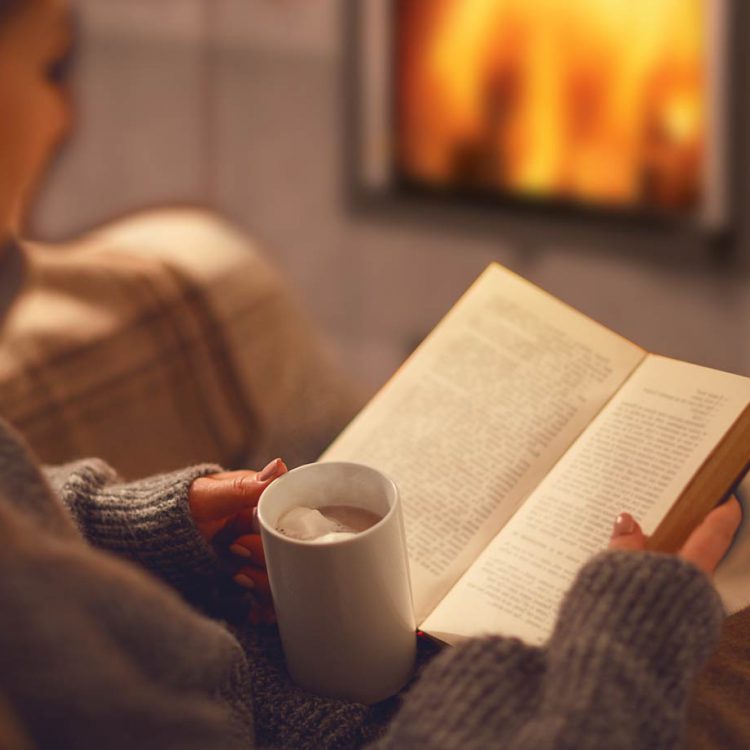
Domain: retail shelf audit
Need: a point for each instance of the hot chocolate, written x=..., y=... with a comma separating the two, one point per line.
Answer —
x=332, y=523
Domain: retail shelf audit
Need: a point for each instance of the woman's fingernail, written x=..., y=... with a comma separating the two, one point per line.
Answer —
x=238, y=549
x=270, y=471
x=245, y=581
x=624, y=524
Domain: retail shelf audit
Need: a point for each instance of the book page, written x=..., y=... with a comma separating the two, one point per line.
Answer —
x=637, y=456
x=479, y=414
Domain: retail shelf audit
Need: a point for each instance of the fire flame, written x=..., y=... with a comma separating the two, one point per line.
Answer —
x=590, y=100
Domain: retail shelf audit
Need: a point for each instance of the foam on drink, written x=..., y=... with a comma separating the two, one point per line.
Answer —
x=332, y=523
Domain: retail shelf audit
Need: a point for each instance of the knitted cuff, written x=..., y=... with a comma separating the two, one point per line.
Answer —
x=147, y=521
x=656, y=605
x=616, y=672
x=632, y=631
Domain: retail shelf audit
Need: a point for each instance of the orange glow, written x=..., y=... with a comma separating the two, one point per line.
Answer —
x=597, y=101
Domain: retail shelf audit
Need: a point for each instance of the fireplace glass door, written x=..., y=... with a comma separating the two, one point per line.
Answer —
x=606, y=104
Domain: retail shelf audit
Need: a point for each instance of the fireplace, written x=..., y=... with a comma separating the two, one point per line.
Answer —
x=601, y=106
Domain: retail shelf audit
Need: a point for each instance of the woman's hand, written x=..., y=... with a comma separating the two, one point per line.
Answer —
x=705, y=547
x=223, y=507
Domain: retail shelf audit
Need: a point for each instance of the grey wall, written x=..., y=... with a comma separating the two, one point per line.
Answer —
x=237, y=104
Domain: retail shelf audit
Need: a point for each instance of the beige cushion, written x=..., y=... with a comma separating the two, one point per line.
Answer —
x=165, y=340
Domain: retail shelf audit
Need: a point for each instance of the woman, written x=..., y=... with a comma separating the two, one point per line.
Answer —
x=96, y=651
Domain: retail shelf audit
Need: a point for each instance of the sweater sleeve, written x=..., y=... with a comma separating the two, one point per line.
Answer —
x=96, y=654
x=147, y=521
x=616, y=672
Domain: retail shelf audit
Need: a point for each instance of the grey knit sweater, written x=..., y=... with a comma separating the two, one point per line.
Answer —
x=96, y=652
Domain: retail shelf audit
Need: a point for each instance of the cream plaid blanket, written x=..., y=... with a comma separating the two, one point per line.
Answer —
x=163, y=341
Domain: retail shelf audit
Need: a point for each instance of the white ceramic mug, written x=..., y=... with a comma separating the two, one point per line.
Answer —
x=344, y=608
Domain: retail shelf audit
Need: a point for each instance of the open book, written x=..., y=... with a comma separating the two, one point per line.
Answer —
x=517, y=431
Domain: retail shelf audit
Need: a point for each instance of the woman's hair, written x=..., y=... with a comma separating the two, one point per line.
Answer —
x=8, y=7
